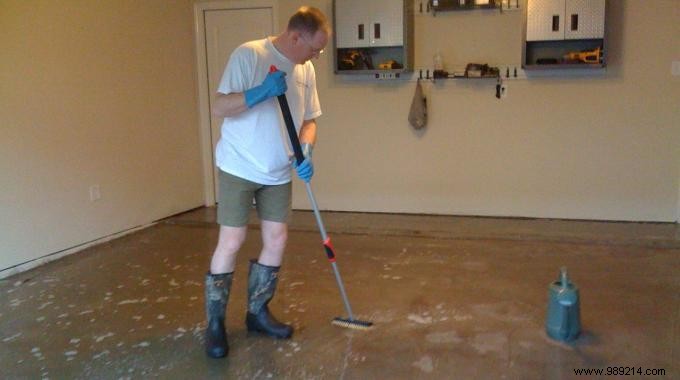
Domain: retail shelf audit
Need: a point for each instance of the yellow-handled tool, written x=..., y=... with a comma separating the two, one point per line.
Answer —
x=586, y=56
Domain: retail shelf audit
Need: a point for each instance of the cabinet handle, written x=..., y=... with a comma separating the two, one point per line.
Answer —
x=376, y=30
x=574, y=22
x=556, y=23
x=360, y=31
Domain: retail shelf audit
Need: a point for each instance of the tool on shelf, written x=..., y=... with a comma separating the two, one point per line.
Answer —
x=585, y=56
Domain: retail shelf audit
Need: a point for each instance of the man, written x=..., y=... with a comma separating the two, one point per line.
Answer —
x=254, y=162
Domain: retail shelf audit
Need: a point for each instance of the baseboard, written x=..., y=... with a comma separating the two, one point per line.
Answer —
x=4, y=273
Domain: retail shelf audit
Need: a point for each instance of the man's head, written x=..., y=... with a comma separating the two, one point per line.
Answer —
x=307, y=34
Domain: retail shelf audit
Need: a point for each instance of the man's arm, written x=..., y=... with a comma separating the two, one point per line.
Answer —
x=234, y=103
x=308, y=132
x=228, y=105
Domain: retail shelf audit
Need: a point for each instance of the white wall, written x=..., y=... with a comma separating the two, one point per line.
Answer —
x=105, y=93
x=605, y=147
x=94, y=93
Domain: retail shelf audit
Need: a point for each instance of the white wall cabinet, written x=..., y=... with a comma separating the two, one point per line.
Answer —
x=370, y=33
x=565, y=34
x=361, y=23
x=565, y=19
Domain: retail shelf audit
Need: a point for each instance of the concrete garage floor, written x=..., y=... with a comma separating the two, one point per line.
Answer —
x=451, y=298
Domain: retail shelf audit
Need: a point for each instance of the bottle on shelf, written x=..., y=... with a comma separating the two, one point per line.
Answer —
x=439, y=66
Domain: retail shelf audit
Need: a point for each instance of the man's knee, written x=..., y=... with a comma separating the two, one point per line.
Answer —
x=230, y=241
x=229, y=246
x=275, y=238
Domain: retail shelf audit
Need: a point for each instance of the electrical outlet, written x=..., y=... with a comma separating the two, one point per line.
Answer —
x=675, y=68
x=95, y=193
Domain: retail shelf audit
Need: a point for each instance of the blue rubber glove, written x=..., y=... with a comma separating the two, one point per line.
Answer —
x=273, y=85
x=306, y=169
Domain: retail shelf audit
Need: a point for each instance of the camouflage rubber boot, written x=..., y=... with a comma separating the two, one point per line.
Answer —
x=262, y=281
x=216, y=296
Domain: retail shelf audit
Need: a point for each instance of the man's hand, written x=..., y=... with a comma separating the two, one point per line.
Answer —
x=306, y=169
x=273, y=85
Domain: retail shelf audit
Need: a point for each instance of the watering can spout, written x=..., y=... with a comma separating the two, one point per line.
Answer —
x=564, y=279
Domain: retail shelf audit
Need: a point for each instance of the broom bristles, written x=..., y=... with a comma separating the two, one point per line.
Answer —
x=352, y=323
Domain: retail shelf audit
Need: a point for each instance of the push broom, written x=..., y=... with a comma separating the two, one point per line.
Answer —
x=349, y=322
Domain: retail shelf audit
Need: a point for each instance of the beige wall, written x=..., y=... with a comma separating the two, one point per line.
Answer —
x=605, y=147
x=94, y=92
x=105, y=93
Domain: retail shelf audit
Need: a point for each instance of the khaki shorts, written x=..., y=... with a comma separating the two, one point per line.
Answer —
x=235, y=200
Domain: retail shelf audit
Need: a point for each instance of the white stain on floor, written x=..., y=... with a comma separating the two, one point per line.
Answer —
x=127, y=302
x=70, y=355
x=421, y=319
x=99, y=355
x=102, y=337
x=490, y=342
x=383, y=316
x=15, y=302
x=11, y=337
x=503, y=311
x=448, y=337
x=425, y=364
x=36, y=352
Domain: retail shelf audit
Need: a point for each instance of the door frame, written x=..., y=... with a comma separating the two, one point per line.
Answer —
x=204, y=115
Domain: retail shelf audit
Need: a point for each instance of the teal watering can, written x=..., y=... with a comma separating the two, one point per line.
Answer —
x=563, y=321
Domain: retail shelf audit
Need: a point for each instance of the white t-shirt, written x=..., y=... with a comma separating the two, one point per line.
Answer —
x=254, y=144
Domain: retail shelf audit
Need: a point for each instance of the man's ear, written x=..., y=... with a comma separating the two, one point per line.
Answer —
x=295, y=36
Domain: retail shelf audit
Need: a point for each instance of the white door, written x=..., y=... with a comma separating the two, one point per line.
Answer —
x=387, y=23
x=584, y=19
x=352, y=18
x=226, y=29
x=545, y=20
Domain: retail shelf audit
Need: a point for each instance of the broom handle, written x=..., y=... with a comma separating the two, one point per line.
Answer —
x=290, y=125
x=329, y=249
x=297, y=149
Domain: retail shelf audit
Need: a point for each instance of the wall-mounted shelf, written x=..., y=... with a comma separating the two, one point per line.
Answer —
x=460, y=5
x=558, y=66
x=495, y=75
x=469, y=5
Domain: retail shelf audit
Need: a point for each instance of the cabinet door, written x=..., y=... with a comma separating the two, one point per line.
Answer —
x=545, y=20
x=352, y=23
x=386, y=22
x=584, y=19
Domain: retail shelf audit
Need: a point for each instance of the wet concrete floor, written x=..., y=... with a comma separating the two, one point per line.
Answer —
x=450, y=297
